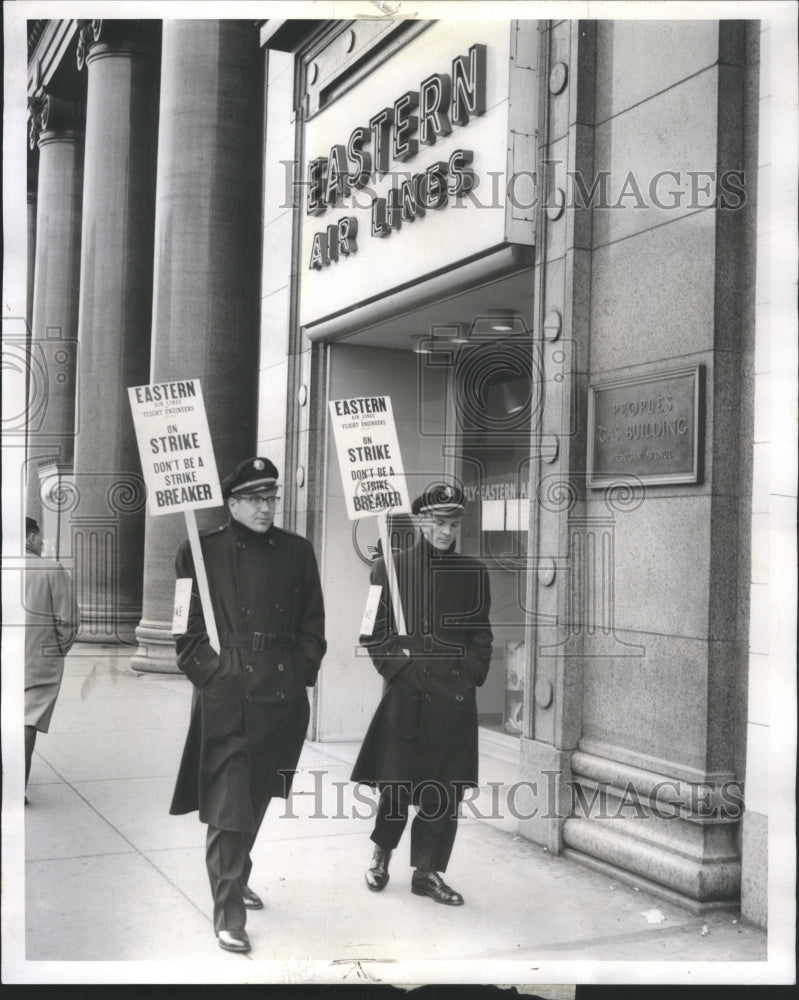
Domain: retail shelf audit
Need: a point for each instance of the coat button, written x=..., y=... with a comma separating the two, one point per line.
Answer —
x=280, y=667
x=271, y=541
x=279, y=608
x=426, y=671
x=456, y=672
x=295, y=590
x=247, y=697
x=458, y=697
x=280, y=694
x=240, y=545
x=249, y=668
x=427, y=697
x=245, y=611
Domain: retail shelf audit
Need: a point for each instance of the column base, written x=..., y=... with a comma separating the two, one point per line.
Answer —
x=653, y=888
x=544, y=799
x=97, y=625
x=677, y=839
x=156, y=648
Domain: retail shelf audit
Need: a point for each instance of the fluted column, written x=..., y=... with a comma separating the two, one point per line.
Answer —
x=207, y=266
x=33, y=175
x=32, y=183
x=57, y=126
x=114, y=326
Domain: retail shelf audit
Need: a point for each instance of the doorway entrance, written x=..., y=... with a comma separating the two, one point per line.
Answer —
x=465, y=391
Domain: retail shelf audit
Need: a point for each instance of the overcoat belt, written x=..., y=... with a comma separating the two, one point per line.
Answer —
x=425, y=728
x=250, y=710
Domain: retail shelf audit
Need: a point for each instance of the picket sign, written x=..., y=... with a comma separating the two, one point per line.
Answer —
x=178, y=465
x=372, y=474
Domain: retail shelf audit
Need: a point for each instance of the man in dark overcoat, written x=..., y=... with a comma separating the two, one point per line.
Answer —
x=250, y=710
x=421, y=746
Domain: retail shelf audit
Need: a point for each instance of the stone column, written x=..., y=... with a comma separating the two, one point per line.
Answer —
x=32, y=183
x=207, y=267
x=33, y=172
x=58, y=128
x=115, y=314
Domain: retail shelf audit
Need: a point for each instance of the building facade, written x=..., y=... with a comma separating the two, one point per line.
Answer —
x=544, y=242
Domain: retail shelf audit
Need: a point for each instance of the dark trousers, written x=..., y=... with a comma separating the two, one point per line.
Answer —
x=433, y=829
x=30, y=743
x=227, y=858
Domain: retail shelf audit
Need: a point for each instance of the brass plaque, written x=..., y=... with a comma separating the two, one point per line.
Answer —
x=646, y=429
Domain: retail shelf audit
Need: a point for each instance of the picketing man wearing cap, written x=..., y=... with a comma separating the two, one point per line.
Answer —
x=51, y=624
x=421, y=746
x=250, y=710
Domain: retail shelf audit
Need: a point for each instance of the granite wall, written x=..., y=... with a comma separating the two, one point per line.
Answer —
x=653, y=597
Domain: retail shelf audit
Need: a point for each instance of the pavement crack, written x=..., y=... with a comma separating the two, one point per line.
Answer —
x=357, y=970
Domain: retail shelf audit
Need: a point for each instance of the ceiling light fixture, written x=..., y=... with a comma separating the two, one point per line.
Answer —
x=450, y=333
x=498, y=323
x=422, y=344
x=501, y=320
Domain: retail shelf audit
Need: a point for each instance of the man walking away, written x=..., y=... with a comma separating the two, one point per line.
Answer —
x=51, y=624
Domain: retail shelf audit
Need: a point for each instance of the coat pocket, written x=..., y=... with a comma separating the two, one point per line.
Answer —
x=452, y=675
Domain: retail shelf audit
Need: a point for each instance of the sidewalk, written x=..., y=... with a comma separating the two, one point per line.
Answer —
x=111, y=877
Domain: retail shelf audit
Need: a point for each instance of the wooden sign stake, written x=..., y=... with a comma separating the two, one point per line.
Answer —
x=202, y=580
x=391, y=574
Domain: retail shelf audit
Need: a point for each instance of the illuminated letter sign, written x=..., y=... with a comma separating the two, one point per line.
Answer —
x=337, y=176
x=336, y=239
x=468, y=85
x=435, y=185
x=461, y=176
x=359, y=176
x=411, y=197
x=381, y=132
x=394, y=134
x=434, y=97
x=405, y=126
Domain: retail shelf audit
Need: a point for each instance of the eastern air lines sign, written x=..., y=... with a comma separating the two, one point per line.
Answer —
x=406, y=171
x=441, y=102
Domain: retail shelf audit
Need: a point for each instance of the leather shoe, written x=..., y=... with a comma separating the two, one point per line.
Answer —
x=252, y=900
x=377, y=873
x=234, y=939
x=433, y=885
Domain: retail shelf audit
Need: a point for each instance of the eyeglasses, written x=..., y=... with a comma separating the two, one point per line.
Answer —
x=260, y=501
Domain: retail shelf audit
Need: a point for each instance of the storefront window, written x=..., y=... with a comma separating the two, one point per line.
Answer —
x=495, y=387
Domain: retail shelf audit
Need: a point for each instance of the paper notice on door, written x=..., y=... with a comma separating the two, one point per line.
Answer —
x=370, y=611
x=180, y=614
x=493, y=515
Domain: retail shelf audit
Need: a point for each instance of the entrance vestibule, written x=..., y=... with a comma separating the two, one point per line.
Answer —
x=465, y=392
